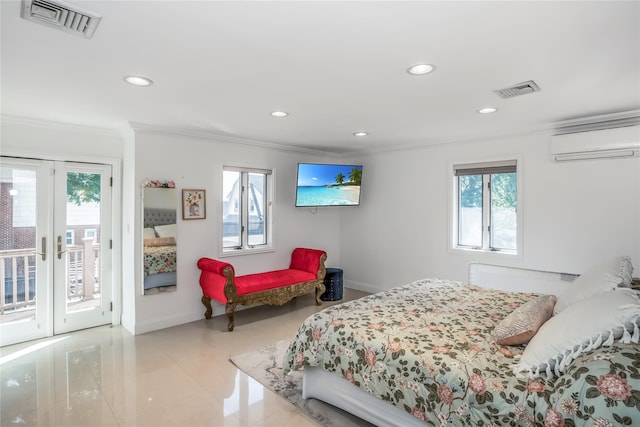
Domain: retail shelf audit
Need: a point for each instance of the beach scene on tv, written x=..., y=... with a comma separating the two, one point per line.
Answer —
x=328, y=185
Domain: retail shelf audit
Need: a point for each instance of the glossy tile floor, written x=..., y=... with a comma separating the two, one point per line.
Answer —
x=179, y=376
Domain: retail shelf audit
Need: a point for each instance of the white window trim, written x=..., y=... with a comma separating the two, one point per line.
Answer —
x=269, y=226
x=453, y=210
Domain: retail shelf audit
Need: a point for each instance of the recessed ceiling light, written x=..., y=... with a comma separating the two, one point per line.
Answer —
x=360, y=133
x=487, y=110
x=419, y=69
x=279, y=114
x=138, y=80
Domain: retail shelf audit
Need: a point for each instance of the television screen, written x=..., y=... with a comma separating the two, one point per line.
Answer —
x=328, y=185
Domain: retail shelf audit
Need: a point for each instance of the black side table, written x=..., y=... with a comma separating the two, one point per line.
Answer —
x=333, y=283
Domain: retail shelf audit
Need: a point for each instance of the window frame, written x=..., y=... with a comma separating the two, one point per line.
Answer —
x=485, y=168
x=70, y=237
x=244, y=206
x=89, y=231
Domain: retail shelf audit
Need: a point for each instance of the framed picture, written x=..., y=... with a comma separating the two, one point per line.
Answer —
x=193, y=204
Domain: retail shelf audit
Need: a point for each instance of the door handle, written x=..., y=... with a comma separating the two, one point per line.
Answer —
x=43, y=254
x=60, y=251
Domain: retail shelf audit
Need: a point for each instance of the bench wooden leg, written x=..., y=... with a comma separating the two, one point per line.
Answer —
x=206, y=301
x=230, y=308
x=320, y=289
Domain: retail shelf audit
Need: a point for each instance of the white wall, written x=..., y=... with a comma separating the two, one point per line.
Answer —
x=574, y=213
x=196, y=163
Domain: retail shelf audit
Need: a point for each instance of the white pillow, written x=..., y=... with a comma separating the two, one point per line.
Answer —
x=586, y=325
x=603, y=277
x=168, y=230
x=148, y=233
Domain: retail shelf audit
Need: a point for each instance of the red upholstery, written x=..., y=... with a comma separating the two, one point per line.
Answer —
x=252, y=283
x=212, y=280
x=303, y=268
x=306, y=260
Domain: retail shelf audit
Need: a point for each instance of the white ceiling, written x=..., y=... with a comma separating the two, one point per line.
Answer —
x=336, y=67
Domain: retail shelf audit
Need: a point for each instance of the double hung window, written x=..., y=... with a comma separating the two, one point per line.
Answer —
x=246, y=209
x=486, y=208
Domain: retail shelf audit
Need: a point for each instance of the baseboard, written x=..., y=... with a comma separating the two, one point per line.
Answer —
x=166, y=322
x=361, y=286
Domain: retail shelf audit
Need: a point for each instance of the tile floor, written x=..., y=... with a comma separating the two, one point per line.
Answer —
x=179, y=376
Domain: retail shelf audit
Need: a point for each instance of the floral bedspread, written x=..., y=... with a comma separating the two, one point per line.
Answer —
x=159, y=259
x=426, y=348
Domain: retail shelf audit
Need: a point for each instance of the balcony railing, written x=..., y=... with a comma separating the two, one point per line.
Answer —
x=18, y=275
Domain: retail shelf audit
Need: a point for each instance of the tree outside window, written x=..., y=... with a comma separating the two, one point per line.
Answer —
x=487, y=203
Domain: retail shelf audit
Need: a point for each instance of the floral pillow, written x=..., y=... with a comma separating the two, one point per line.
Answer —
x=523, y=323
x=595, y=321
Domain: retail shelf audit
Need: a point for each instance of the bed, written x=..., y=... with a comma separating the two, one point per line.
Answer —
x=159, y=250
x=426, y=353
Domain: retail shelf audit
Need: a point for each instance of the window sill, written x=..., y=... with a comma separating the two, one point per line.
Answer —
x=224, y=253
x=504, y=253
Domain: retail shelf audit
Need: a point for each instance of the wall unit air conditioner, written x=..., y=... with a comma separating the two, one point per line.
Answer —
x=596, y=144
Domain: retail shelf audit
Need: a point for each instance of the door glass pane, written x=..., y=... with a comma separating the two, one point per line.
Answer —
x=17, y=244
x=470, y=210
x=231, y=209
x=83, y=254
x=257, y=203
x=504, y=218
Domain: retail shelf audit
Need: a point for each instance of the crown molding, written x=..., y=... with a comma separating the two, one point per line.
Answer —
x=202, y=134
x=50, y=124
x=600, y=121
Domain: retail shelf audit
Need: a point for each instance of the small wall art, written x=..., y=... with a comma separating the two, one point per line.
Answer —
x=193, y=204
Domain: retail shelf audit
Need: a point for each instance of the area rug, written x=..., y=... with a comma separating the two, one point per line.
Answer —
x=265, y=366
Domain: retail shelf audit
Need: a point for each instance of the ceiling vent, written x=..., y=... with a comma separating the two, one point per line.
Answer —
x=518, y=89
x=61, y=15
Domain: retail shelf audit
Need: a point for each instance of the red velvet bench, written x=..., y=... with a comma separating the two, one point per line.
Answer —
x=219, y=282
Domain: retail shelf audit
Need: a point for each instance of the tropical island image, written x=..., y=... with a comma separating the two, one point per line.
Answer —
x=328, y=185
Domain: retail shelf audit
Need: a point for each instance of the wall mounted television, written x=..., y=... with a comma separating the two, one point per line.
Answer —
x=322, y=184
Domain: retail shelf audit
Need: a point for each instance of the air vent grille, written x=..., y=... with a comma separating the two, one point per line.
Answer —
x=518, y=89
x=61, y=15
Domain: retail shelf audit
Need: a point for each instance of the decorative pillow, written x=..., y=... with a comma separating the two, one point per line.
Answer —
x=169, y=230
x=160, y=241
x=148, y=233
x=523, y=322
x=626, y=271
x=586, y=325
x=603, y=277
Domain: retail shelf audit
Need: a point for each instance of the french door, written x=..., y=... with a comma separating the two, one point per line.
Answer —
x=55, y=248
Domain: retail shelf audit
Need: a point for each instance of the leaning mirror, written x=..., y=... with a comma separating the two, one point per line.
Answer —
x=159, y=234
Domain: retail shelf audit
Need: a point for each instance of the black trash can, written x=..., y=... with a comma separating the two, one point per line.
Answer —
x=333, y=283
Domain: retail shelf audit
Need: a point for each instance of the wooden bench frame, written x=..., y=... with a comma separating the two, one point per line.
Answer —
x=274, y=296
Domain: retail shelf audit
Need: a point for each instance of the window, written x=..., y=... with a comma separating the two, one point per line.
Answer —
x=90, y=233
x=486, y=207
x=246, y=209
x=70, y=237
